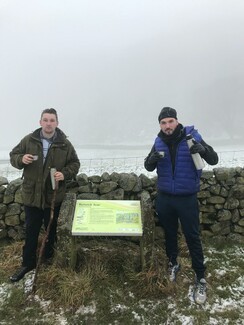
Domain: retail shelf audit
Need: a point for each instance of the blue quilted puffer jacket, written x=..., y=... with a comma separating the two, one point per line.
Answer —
x=185, y=179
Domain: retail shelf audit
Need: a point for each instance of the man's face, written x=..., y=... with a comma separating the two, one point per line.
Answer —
x=168, y=125
x=48, y=123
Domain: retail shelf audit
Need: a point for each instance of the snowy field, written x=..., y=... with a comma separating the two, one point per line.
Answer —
x=95, y=161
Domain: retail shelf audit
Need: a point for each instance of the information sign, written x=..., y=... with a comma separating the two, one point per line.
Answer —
x=107, y=218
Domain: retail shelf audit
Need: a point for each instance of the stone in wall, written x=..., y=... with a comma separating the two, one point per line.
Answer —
x=3, y=209
x=216, y=200
x=127, y=181
x=207, y=174
x=138, y=186
x=237, y=191
x=82, y=179
x=235, y=215
x=231, y=203
x=12, y=220
x=95, y=179
x=221, y=228
x=224, y=174
x=115, y=177
x=106, y=177
x=207, y=218
x=12, y=187
x=146, y=182
x=118, y=194
x=12, y=233
x=88, y=196
x=3, y=181
x=2, y=189
x=241, y=222
x=107, y=186
x=203, y=194
x=238, y=229
x=240, y=180
x=224, y=192
x=215, y=189
x=84, y=188
x=224, y=215
x=22, y=216
x=207, y=208
x=18, y=196
x=13, y=209
x=241, y=204
x=3, y=232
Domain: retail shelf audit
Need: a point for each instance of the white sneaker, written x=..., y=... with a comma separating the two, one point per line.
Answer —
x=200, y=294
x=173, y=270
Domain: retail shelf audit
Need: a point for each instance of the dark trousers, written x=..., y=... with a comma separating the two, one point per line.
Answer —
x=170, y=210
x=34, y=219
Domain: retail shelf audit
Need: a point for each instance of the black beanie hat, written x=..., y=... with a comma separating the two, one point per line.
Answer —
x=167, y=112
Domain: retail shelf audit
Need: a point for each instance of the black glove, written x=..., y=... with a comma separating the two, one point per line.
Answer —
x=154, y=157
x=197, y=148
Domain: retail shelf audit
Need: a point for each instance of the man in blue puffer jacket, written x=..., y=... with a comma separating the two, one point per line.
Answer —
x=178, y=184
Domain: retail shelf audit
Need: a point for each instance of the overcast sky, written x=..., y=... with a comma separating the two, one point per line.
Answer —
x=109, y=66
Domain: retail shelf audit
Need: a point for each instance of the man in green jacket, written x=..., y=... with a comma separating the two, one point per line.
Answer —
x=38, y=152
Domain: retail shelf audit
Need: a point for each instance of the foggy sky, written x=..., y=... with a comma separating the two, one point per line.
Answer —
x=109, y=66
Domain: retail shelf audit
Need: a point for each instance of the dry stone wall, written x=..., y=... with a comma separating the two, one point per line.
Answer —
x=221, y=199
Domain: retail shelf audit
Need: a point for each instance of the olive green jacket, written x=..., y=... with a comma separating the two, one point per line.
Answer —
x=37, y=188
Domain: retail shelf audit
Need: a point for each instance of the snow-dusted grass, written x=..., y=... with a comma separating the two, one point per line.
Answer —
x=121, y=294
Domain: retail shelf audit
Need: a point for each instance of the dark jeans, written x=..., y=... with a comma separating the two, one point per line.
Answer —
x=170, y=209
x=34, y=219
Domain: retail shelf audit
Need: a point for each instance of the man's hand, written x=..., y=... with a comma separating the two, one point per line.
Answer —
x=58, y=176
x=197, y=148
x=27, y=159
x=154, y=157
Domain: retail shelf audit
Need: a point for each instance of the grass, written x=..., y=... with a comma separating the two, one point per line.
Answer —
x=109, y=287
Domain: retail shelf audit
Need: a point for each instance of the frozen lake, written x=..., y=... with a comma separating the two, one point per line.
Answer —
x=97, y=159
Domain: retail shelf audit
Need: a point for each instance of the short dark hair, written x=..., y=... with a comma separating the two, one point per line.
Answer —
x=50, y=111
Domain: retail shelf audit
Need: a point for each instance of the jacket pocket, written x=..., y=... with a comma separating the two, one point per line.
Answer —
x=28, y=192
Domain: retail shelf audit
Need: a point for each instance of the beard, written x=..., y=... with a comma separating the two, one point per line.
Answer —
x=168, y=131
x=172, y=135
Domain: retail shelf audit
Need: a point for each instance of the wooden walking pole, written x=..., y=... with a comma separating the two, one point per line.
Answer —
x=45, y=238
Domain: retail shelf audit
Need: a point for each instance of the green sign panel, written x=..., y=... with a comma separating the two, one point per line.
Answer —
x=107, y=218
